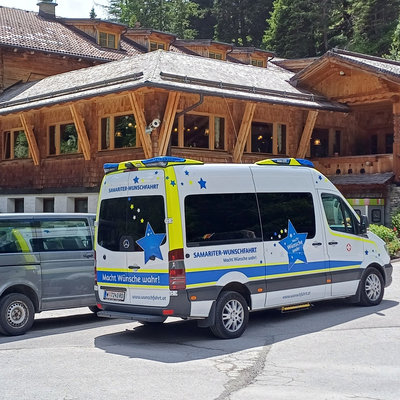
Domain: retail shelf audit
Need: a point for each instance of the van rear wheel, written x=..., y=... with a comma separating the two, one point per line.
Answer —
x=372, y=288
x=231, y=316
x=16, y=314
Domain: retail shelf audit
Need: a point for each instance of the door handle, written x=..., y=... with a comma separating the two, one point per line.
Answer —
x=333, y=243
x=88, y=255
x=134, y=267
x=317, y=244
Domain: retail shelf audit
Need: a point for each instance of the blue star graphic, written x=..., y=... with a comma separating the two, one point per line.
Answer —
x=151, y=243
x=173, y=183
x=366, y=252
x=136, y=179
x=186, y=172
x=202, y=184
x=294, y=245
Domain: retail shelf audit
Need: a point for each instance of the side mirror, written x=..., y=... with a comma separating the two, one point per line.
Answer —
x=364, y=224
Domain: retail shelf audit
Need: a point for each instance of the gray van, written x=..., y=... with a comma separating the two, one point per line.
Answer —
x=46, y=263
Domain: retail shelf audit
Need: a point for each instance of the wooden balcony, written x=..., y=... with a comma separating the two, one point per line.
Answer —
x=368, y=164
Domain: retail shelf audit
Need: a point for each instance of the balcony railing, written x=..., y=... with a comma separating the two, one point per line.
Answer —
x=369, y=164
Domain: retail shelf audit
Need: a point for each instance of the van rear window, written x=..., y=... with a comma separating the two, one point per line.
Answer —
x=127, y=218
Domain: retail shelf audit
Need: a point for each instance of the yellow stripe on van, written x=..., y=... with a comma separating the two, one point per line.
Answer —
x=173, y=210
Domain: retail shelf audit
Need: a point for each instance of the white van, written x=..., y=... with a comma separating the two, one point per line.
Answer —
x=176, y=237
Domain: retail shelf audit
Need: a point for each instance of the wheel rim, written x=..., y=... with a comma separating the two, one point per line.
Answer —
x=233, y=315
x=17, y=314
x=373, y=287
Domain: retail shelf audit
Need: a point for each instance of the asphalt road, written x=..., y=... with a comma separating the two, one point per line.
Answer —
x=333, y=351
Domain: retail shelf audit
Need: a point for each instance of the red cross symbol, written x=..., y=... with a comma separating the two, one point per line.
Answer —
x=348, y=247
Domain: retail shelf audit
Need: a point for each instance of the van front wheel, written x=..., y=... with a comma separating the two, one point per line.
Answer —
x=231, y=316
x=16, y=314
x=372, y=288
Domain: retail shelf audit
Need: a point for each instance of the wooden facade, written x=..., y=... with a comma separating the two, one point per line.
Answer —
x=362, y=139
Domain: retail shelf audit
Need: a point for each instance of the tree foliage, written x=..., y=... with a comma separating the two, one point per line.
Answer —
x=291, y=28
x=165, y=15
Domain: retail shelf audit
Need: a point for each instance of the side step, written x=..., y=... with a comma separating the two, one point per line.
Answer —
x=297, y=307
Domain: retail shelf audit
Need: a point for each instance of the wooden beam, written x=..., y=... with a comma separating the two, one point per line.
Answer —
x=82, y=134
x=306, y=136
x=141, y=125
x=30, y=137
x=244, y=131
x=168, y=122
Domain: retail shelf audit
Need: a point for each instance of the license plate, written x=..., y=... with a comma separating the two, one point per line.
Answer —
x=117, y=296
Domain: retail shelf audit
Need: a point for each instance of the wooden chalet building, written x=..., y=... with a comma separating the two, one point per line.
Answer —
x=78, y=93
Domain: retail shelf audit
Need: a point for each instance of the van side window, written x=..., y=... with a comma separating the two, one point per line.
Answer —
x=127, y=217
x=17, y=237
x=68, y=234
x=277, y=209
x=338, y=215
x=221, y=219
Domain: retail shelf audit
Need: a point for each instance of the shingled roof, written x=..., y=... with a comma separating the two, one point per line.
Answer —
x=169, y=70
x=371, y=64
x=27, y=30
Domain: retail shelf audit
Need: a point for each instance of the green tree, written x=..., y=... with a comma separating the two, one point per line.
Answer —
x=241, y=22
x=291, y=31
x=165, y=15
x=374, y=24
x=204, y=21
x=307, y=28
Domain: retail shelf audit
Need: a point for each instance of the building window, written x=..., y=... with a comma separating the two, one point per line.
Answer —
x=200, y=131
x=15, y=145
x=19, y=205
x=156, y=46
x=281, y=139
x=257, y=62
x=107, y=40
x=216, y=56
x=81, y=205
x=320, y=143
x=118, y=132
x=63, y=139
x=48, y=205
x=374, y=144
x=261, y=137
x=389, y=143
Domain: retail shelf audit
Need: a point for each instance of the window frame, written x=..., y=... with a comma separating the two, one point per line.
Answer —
x=211, y=127
x=10, y=146
x=217, y=55
x=275, y=150
x=255, y=62
x=112, y=129
x=158, y=45
x=57, y=139
x=108, y=35
x=354, y=221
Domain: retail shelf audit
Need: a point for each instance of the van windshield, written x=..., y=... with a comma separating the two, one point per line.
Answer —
x=128, y=217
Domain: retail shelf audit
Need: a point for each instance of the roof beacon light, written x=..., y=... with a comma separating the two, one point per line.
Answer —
x=287, y=161
x=162, y=161
x=110, y=167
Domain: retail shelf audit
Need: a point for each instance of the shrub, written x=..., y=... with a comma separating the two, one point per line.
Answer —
x=389, y=236
x=396, y=222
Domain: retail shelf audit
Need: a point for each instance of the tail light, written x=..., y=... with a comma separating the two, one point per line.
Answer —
x=177, y=273
x=95, y=269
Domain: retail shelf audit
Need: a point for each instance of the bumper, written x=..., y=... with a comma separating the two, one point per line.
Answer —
x=131, y=316
x=388, y=274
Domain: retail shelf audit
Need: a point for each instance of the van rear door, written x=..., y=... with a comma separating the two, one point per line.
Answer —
x=132, y=232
